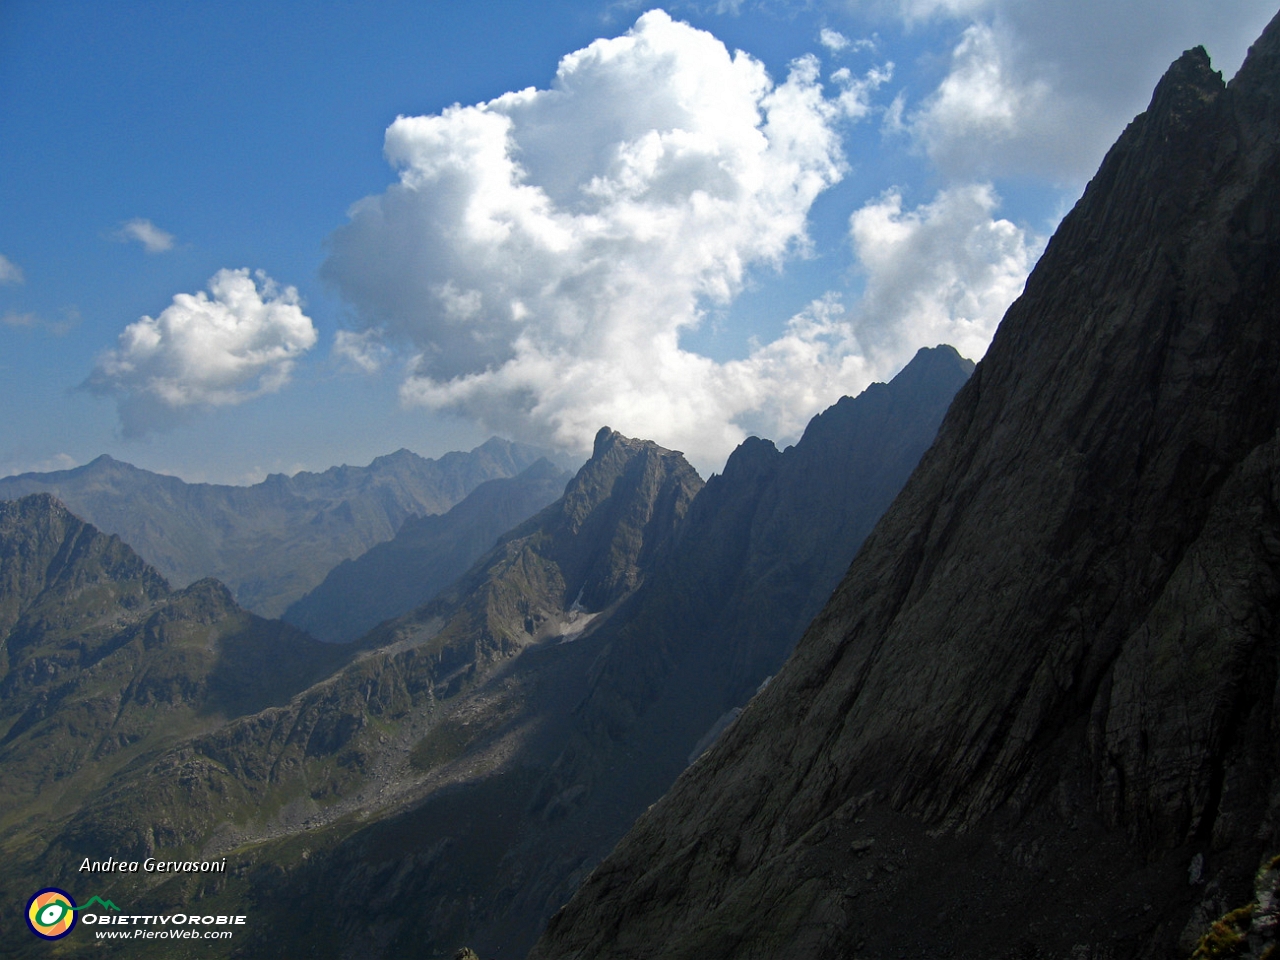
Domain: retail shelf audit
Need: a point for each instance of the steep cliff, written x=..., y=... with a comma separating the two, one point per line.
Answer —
x=1040, y=715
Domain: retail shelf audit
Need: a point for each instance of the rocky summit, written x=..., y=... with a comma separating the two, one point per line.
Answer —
x=1040, y=716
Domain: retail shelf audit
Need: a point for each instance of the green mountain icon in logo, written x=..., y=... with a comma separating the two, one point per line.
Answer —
x=106, y=905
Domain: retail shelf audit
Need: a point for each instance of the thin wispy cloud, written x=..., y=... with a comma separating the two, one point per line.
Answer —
x=12, y=318
x=143, y=231
x=363, y=351
x=836, y=42
x=33, y=321
x=10, y=272
x=238, y=342
x=59, y=461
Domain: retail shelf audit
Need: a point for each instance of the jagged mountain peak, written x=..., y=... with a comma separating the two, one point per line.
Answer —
x=752, y=455
x=1262, y=63
x=618, y=513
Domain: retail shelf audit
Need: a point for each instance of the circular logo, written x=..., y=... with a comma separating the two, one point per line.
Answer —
x=51, y=913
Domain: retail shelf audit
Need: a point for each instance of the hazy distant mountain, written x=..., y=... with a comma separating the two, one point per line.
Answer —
x=1040, y=717
x=102, y=665
x=425, y=556
x=271, y=542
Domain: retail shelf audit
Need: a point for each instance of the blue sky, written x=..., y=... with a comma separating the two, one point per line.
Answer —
x=223, y=255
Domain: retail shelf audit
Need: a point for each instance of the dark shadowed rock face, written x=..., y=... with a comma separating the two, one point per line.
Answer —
x=763, y=547
x=1047, y=688
x=425, y=556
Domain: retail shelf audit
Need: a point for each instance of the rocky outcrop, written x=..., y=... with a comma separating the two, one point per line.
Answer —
x=1048, y=682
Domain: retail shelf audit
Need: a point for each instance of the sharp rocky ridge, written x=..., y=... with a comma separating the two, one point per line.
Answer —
x=1040, y=715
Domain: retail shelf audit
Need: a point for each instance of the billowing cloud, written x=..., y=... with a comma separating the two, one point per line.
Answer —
x=240, y=341
x=981, y=107
x=10, y=272
x=944, y=272
x=140, y=230
x=1043, y=88
x=542, y=252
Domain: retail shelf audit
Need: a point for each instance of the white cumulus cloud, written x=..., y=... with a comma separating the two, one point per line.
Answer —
x=143, y=231
x=238, y=342
x=10, y=272
x=944, y=272
x=542, y=252
x=1042, y=87
x=833, y=40
x=981, y=106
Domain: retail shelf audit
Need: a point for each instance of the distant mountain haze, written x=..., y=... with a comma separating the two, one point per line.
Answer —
x=274, y=541
x=425, y=556
x=354, y=741
x=1040, y=716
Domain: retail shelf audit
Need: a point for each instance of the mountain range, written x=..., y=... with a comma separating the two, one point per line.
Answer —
x=985, y=666
x=102, y=663
x=276, y=540
x=501, y=737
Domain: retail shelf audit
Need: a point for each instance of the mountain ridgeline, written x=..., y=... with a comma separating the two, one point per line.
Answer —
x=468, y=763
x=548, y=761
x=274, y=541
x=426, y=555
x=350, y=747
x=1040, y=716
